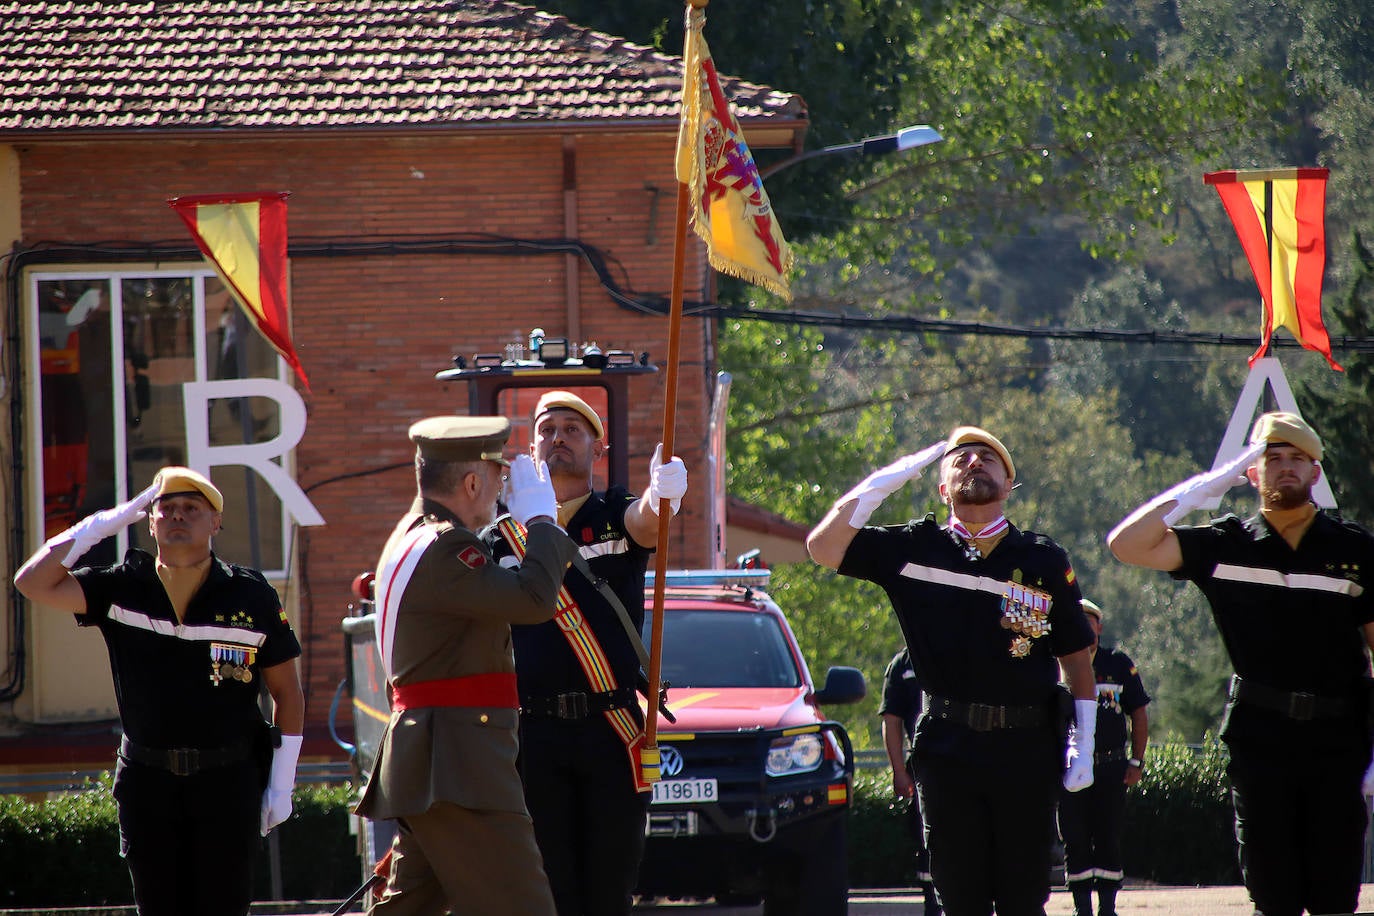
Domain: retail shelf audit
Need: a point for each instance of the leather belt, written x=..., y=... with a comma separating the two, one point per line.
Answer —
x=1295, y=705
x=577, y=704
x=1110, y=755
x=496, y=689
x=183, y=761
x=983, y=718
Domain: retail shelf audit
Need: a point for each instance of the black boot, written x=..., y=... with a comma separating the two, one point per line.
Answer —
x=1106, y=896
x=1082, y=898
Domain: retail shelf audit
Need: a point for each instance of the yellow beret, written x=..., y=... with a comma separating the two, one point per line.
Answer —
x=1288, y=428
x=179, y=481
x=566, y=400
x=461, y=438
x=972, y=435
x=1091, y=608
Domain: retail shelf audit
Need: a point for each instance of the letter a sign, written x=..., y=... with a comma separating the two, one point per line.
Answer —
x=1264, y=371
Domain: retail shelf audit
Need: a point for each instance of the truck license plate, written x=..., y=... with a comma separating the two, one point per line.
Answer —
x=681, y=791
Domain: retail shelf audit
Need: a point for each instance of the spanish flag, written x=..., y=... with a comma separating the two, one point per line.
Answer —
x=243, y=236
x=1280, y=216
x=730, y=209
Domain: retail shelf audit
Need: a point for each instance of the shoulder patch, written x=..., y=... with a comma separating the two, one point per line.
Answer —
x=1070, y=576
x=472, y=557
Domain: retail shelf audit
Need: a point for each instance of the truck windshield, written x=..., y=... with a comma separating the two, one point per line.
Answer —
x=724, y=649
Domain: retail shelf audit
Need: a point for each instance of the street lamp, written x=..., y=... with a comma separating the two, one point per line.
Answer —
x=906, y=138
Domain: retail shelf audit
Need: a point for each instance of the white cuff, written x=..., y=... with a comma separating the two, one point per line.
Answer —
x=284, y=761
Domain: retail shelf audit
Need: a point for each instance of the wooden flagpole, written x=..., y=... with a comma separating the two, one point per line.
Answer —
x=651, y=759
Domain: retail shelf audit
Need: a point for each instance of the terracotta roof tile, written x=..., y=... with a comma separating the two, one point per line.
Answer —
x=195, y=65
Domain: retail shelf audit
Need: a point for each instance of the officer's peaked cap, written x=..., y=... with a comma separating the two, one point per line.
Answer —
x=179, y=481
x=1280, y=426
x=566, y=400
x=973, y=435
x=461, y=438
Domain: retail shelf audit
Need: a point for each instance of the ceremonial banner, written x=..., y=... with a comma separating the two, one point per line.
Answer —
x=1279, y=215
x=729, y=207
x=243, y=236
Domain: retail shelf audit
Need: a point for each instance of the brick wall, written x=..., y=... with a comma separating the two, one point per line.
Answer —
x=372, y=331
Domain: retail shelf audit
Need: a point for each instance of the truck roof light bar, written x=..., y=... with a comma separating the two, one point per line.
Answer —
x=755, y=578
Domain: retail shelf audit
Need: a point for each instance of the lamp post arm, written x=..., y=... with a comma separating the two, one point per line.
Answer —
x=906, y=138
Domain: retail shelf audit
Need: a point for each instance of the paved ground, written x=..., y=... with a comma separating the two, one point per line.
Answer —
x=1134, y=901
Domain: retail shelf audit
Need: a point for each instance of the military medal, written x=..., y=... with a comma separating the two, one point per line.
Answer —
x=966, y=539
x=1026, y=612
x=230, y=661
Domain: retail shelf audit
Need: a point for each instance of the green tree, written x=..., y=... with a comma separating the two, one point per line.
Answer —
x=1342, y=415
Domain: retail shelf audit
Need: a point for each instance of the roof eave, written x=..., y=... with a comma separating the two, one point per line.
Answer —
x=763, y=133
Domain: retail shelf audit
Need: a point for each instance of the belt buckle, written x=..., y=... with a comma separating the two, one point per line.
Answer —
x=183, y=761
x=1302, y=706
x=983, y=718
x=572, y=705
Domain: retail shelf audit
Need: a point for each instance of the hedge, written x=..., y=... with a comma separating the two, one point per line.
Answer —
x=65, y=851
x=1178, y=825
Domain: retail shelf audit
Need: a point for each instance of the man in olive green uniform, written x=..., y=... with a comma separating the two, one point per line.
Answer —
x=445, y=769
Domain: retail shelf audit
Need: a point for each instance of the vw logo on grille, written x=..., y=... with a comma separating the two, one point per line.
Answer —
x=671, y=761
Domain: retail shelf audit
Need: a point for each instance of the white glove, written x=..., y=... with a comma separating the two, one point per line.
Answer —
x=531, y=491
x=1078, y=770
x=883, y=482
x=1367, y=784
x=276, y=798
x=95, y=528
x=1198, y=489
x=666, y=481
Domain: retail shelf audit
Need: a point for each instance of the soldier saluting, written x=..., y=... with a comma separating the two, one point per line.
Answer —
x=990, y=613
x=1290, y=590
x=445, y=769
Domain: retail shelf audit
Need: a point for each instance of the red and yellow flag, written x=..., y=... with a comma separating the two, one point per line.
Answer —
x=730, y=209
x=1280, y=216
x=243, y=236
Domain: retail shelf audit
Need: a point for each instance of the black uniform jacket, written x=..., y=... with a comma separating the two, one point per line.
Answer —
x=958, y=616
x=901, y=692
x=544, y=661
x=1290, y=619
x=163, y=668
x=1120, y=692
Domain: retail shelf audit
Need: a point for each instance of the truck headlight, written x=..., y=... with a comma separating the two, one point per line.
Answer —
x=795, y=754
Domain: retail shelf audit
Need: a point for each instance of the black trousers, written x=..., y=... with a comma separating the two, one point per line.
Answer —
x=988, y=831
x=916, y=826
x=588, y=818
x=1300, y=823
x=189, y=841
x=1090, y=823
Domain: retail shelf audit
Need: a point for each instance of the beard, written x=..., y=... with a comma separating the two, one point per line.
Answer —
x=976, y=491
x=1287, y=495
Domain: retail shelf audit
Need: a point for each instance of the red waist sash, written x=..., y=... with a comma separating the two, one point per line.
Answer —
x=496, y=689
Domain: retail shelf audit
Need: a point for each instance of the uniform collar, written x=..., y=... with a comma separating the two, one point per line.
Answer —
x=1260, y=529
x=436, y=510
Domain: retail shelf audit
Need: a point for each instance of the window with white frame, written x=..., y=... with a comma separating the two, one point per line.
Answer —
x=110, y=351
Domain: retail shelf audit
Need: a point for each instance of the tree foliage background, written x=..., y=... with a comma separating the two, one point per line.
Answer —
x=1067, y=192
